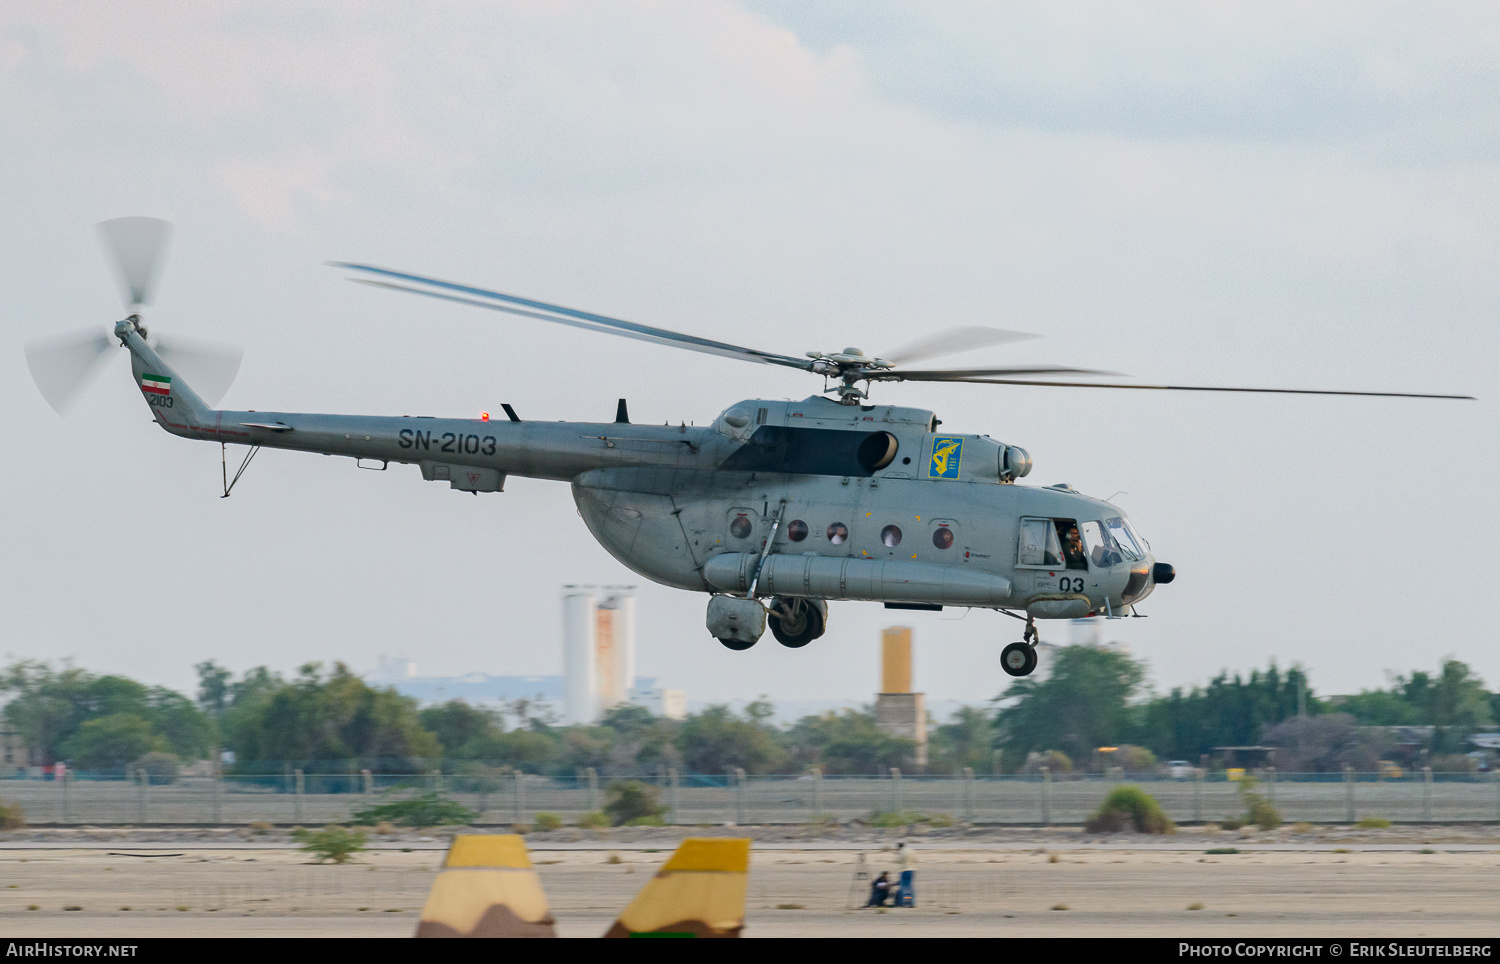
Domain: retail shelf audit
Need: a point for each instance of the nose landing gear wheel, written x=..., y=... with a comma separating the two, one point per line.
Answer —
x=1018, y=659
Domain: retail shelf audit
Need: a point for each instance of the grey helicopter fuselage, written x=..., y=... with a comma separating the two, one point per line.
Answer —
x=810, y=499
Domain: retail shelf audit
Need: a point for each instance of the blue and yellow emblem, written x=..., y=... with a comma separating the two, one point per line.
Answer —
x=946, y=452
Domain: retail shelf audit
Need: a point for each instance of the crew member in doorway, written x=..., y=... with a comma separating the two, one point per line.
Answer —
x=1072, y=544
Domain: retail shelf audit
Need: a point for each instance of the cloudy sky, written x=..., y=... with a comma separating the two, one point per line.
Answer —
x=1248, y=194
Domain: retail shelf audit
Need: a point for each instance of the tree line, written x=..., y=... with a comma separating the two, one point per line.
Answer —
x=329, y=720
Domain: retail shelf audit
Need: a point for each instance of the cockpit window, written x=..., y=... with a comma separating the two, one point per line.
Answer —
x=1103, y=552
x=1125, y=537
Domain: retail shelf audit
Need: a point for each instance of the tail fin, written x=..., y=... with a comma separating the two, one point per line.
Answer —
x=699, y=892
x=487, y=888
x=173, y=402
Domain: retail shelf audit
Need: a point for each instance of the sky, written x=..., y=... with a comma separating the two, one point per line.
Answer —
x=1260, y=194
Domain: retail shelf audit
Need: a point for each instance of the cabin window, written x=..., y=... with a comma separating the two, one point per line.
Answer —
x=796, y=530
x=838, y=533
x=890, y=536
x=942, y=537
x=740, y=527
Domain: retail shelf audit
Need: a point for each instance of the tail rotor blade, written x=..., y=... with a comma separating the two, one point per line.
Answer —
x=207, y=367
x=64, y=365
x=951, y=341
x=136, y=247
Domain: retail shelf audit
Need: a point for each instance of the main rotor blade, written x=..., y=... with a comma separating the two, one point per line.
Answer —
x=528, y=308
x=64, y=365
x=1206, y=388
x=951, y=341
x=136, y=247
x=207, y=367
x=971, y=374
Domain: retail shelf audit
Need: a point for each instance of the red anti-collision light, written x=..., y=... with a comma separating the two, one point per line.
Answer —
x=484, y=416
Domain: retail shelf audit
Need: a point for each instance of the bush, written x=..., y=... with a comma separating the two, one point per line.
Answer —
x=12, y=817
x=1259, y=810
x=548, y=821
x=1232, y=823
x=1263, y=814
x=589, y=821
x=1374, y=823
x=1054, y=760
x=1133, y=807
x=161, y=768
x=1454, y=763
x=430, y=809
x=331, y=843
x=908, y=818
x=631, y=800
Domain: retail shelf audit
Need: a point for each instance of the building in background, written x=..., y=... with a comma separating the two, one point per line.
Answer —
x=900, y=712
x=598, y=649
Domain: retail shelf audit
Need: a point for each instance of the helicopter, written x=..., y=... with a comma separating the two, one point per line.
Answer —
x=773, y=510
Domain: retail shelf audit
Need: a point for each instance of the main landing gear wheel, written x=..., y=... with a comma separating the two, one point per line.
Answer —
x=1018, y=659
x=738, y=645
x=796, y=622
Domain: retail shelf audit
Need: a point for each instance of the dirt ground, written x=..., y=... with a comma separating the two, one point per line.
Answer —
x=1053, y=884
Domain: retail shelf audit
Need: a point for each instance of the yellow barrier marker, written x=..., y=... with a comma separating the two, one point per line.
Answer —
x=487, y=888
x=699, y=892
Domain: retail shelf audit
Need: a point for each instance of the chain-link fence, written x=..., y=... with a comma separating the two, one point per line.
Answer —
x=296, y=797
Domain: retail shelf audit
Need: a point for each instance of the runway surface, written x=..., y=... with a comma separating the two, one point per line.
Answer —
x=1078, y=891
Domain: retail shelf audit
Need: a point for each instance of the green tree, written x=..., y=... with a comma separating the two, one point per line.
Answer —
x=461, y=729
x=213, y=688
x=1227, y=712
x=321, y=719
x=847, y=742
x=110, y=742
x=1084, y=703
x=717, y=740
x=966, y=740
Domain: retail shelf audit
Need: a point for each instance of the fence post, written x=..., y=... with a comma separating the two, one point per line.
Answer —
x=1271, y=785
x=1427, y=794
x=591, y=777
x=1495, y=779
x=895, y=790
x=1348, y=793
x=520, y=801
x=67, y=784
x=216, y=790
x=996, y=759
x=369, y=781
x=1197, y=794
x=142, y=783
x=299, y=785
x=739, y=796
x=671, y=795
x=968, y=786
x=817, y=775
x=1046, y=796
x=437, y=781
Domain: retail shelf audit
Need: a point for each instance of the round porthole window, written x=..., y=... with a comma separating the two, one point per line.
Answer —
x=891, y=536
x=796, y=530
x=942, y=537
x=740, y=527
x=838, y=533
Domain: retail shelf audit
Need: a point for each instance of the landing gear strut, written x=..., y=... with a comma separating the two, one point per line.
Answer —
x=1019, y=659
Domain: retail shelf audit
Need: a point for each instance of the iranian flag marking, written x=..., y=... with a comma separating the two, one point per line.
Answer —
x=156, y=384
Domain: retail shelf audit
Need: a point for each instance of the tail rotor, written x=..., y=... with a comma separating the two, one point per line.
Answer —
x=63, y=366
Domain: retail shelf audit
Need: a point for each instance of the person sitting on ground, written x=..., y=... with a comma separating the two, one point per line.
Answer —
x=880, y=890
